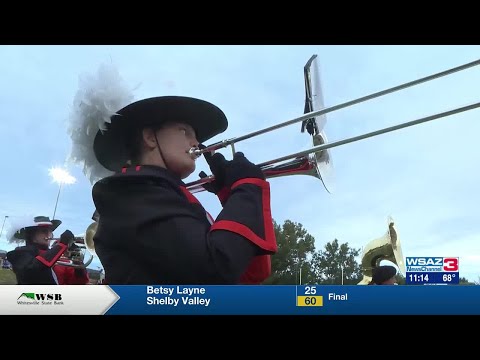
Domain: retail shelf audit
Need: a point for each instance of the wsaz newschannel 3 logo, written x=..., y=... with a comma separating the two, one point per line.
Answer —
x=39, y=299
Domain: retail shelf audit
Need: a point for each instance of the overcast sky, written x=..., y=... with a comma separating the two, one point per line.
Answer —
x=425, y=177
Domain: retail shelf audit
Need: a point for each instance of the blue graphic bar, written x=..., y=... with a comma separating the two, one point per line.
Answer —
x=422, y=278
x=296, y=300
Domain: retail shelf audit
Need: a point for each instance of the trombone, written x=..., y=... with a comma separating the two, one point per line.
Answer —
x=313, y=161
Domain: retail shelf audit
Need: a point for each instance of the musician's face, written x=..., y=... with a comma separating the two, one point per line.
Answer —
x=175, y=140
x=42, y=236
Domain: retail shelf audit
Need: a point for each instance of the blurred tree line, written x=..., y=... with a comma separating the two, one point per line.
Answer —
x=298, y=262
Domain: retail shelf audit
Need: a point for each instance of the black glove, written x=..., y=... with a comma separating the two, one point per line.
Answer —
x=73, y=247
x=240, y=168
x=67, y=238
x=217, y=164
x=211, y=186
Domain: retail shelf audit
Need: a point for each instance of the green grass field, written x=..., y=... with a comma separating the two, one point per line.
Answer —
x=7, y=277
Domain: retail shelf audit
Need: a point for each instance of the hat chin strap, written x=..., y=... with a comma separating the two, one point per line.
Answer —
x=161, y=153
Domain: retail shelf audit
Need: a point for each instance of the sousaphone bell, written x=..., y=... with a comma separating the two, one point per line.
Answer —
x=387, y=247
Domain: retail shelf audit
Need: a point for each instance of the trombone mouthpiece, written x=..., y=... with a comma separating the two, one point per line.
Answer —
x=194, y=152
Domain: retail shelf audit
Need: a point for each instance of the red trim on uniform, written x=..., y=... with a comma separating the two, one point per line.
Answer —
x=190, y=197
x=267, y=211
x=254, y=181
x=268, y=244
x=223, y=194
x=258, y=271
x=67, y=275
x=193, y=200
x=50, y=263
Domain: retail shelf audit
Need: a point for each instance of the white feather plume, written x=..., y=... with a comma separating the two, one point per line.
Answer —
x=98, y=98
x=16, y=223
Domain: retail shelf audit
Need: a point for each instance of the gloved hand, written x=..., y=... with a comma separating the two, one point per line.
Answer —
x=211, y=186
x=73, y=247
x=217, y=164
x=240, y=168
x=67, y=238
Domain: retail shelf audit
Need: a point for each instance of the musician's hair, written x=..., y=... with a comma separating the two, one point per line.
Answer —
x=134, y=141
x=29, y=233
x=133, y=144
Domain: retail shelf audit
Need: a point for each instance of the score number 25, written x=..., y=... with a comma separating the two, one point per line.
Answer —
x=310, y=290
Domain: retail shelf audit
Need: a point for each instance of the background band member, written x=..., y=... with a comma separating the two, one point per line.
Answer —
x=151, y=229
x=69, y=275
x=384, y=275
x=33, y=263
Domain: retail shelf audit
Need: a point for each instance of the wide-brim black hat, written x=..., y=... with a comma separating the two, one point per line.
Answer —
x=383, y=273
x=37, y=221
x=110, y=145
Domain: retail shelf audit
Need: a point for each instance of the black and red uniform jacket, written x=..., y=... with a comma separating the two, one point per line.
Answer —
x=68, y=275
x=152, y=230
x=34, y=266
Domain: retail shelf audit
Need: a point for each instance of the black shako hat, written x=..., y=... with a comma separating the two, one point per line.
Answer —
x=110, y=146
x=37, y=221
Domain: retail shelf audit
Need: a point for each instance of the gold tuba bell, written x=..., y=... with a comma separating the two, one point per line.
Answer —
x=386, y=247
x=75, y=256
x=89, y=234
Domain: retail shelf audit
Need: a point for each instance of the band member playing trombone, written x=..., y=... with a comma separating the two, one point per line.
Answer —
x=33, y=264
x=151, y=229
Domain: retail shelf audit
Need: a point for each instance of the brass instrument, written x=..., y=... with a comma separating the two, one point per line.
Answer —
x=387, y=247
x=316, y=161
x=322, y=145
x=316, y=164
x=74, y=256
x=89, y=234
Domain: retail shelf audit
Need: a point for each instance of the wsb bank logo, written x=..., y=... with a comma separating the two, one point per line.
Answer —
x=39, y=299
x=432, y=264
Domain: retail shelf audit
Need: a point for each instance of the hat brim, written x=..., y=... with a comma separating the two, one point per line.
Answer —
x=20, y=234
x=205, y=118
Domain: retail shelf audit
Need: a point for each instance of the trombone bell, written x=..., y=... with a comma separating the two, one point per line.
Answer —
x=324, y=163
x=317, y=164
